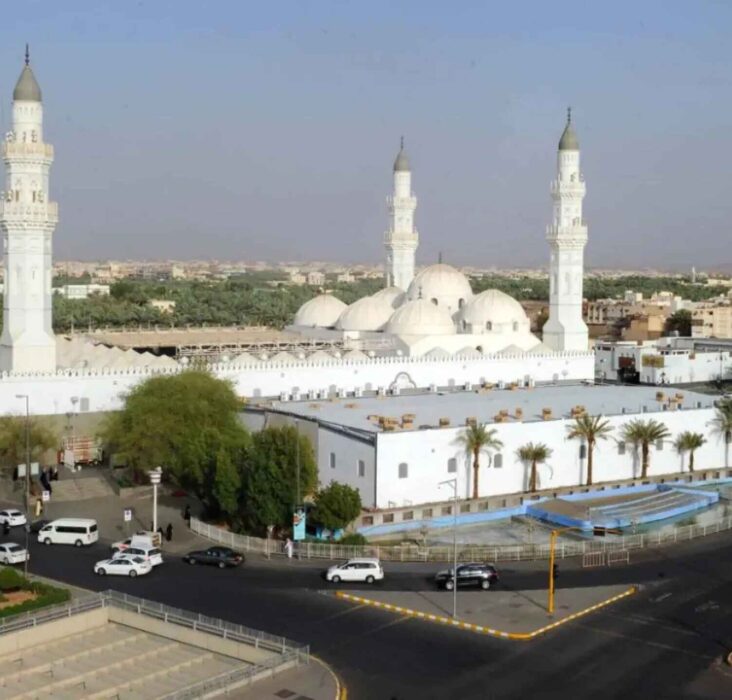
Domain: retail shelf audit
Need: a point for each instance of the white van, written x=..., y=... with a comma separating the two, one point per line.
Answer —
x=76, y=531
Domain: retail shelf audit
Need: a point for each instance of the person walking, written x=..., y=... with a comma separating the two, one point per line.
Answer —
x=169, y=532
x=187, y=514
x=289, y=548
x=39, y=507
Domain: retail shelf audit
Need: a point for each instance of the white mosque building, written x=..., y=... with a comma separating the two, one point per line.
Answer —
x=426, y=330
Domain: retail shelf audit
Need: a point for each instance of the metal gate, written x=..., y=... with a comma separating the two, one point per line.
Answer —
x=621, y=556
x=591, y=559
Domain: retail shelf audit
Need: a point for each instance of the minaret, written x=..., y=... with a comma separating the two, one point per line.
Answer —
x=27, y=221
x=567, y=236
x=401, y=239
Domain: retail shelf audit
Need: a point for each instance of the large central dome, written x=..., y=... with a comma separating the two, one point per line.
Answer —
x=442, y=285
x=420, y=317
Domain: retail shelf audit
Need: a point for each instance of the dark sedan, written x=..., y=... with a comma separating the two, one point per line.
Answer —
x=483, y=575
x=217, y=556
x=37, y=525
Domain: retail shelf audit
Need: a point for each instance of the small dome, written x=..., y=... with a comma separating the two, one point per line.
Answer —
x=27, y=87
x=321, y=312
x=394, y=295
x=569, y=141
x=421, y=317
x=443, y=286
x=493, y=311
x=366, y=314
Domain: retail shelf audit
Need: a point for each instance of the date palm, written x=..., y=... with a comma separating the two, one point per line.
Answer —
x=535, y=454
x=722, y=425
x=642, y=433
x=590, y=429
x=474, y=440
x=689, y=442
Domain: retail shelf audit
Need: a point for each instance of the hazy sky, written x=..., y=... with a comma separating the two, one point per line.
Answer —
x=267, y=130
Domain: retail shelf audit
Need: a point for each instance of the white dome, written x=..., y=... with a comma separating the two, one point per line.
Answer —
x=366, y=314
x=321, y=312
x=493, y=311
x=421, y=317
x=442, y=285
x=394, y=295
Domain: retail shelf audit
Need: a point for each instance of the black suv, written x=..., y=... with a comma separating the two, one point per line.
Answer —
x=218, y=556
x=483, y=575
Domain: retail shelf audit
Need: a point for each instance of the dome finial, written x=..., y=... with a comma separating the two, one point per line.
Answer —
x=401, y=143
x=27, y=54
x=569, y=115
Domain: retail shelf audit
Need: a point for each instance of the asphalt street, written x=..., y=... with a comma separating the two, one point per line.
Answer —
x=666, y=642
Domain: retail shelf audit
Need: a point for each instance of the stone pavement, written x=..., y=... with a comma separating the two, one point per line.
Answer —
x=315, y=681
x=517, y=612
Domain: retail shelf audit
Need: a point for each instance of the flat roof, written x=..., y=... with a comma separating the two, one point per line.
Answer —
x=428, y=408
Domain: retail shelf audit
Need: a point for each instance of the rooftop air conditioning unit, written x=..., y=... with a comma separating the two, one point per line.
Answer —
x=358, y=392
x=395, y=391
x=312, y=394
x=468, y=386
x=323, y=394
x=433, y=388
x=501, y=384
x=284, y=396
x=381, y=391
x=341, y=393
x=295, y=394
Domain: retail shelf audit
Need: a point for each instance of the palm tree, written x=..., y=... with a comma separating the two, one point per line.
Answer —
x=689, y=442
x=722, y=425
x=642, y=433
x=536, y=454
x=590, y=429
x=476, y=439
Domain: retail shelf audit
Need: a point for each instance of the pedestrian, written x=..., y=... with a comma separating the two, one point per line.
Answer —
x=187, y=514
x=6, y=528
x=169, y=532
x=39, y=507
x=288, y=548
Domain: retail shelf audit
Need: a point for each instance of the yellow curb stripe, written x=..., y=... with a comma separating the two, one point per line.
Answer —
x=341, y=691
x=469, y=626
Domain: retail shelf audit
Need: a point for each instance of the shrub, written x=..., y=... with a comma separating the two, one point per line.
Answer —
x=10, y=580
x=355, y=538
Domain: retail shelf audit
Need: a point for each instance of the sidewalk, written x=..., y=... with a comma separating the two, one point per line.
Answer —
x=312, y=682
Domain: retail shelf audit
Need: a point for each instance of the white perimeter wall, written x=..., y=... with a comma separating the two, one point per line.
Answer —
x=427, y=452
x=103, y=391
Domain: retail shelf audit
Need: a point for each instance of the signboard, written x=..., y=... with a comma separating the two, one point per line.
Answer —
x=46, y=496
x=127, y=514
x=298, y=524
x=34, y=470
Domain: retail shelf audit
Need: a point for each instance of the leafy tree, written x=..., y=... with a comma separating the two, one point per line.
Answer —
x=722, y=425
x=590, y=429
x=534, y=454
x=183, y=423
x=227, y=483
x=643, y=433
x=13, y=440
x=689, y=442
x=476, y=439
x=336, y=506
x=269, y=478
x=679, y=321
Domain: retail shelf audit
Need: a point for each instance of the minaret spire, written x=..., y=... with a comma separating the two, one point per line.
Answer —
x=567, y=236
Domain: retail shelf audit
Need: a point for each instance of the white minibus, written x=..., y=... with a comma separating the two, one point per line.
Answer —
x=76, y=531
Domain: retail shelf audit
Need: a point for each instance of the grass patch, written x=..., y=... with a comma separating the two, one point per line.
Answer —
x=45, y=595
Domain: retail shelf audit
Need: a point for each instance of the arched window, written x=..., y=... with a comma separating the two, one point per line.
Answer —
x=489, y=325
x=464, y=324
x=583, y=452
x=461, y=302
x=515, y=326
x=434, y=301
x=451, y=465
x=498, y=460
x=403, y=470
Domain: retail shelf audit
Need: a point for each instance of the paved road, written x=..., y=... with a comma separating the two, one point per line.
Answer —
x=666, y=642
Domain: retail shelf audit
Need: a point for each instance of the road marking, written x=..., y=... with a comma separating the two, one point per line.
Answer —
x=341, y=692
x=347, y=611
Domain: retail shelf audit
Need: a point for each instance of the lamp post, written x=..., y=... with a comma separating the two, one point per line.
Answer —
x=156, y=476
x=454, y=484
x=27, y=476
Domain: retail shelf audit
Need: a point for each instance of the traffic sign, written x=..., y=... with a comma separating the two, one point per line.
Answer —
x=46, y=496
x=127, y=514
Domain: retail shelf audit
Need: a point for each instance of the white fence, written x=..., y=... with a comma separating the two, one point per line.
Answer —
x=498, y=552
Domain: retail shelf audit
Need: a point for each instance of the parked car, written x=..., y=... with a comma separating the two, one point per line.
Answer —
x=366, y=570
x=218, y=556
x=37, y=525
x=483, y=575
x=153, y=554
x=123, y=566
x=11, y=553
x=12, y=517
x=141, y=538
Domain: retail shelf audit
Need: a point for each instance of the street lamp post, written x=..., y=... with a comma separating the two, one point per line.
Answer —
x=156, y=476
x=454, y=484
x=27, y=476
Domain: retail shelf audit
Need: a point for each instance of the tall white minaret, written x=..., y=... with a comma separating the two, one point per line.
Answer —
x=401, y=239
x=567, y=236
x=27, y=221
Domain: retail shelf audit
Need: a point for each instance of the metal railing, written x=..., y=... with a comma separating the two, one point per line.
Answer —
x=467, y=552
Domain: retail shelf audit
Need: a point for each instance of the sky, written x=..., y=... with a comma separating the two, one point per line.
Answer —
x=267, y=131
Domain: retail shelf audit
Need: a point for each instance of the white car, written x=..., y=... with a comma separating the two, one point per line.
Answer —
x=142, y=538
x=11, y=553
x=366, y=570
x=12, y=517
x=152, y=554
x=123, y=566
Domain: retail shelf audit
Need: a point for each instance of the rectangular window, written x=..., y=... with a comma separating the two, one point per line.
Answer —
x=403, y=470
x=583, y=451
x=451, y=465
x=498, y=460
x=659, y=445
x=621, y=448
x=332, y=460
x=361, y=468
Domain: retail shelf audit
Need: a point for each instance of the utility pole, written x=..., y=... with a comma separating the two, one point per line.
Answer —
x=454, y=484
x=27, y=477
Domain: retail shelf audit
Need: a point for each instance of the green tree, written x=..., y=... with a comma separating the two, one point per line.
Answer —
x=13, y=440
x=590, y=429
x=534, y=454
x=643, y=433
x=679, y=321
x=182, y=423
x=269, y=478
x=474, y=440
x=689, y=442
x=336, y=506
x=722, y=425
x=227, y=483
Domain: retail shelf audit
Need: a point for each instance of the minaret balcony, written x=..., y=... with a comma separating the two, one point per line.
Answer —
x=13, y=149
x=17, y=211
x=402, y=202
x=569, y=187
